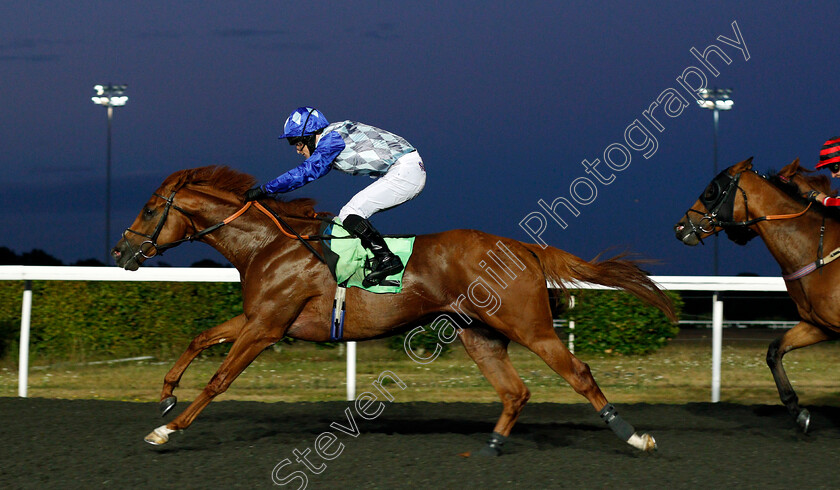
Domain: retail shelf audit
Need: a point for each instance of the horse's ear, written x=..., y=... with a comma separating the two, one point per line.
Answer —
x=790, y=170
x=745, y=165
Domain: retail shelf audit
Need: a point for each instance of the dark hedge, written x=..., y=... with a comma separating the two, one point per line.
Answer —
x=617, y=322
x=80, y=320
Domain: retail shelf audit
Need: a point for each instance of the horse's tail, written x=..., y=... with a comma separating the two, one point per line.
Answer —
x=559, y=266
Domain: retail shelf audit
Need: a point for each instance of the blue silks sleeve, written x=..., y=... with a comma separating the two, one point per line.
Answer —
x=314, y=167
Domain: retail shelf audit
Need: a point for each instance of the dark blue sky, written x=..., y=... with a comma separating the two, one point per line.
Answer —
x=503, y=100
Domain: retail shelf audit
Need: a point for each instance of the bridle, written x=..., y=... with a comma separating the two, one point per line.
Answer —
x=150, y=247
x=719, y=200
x=151, y=240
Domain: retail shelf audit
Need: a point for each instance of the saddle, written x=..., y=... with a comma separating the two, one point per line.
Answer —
x=350, y=262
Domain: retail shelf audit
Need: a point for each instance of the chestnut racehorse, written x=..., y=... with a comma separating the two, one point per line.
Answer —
x=802, y=237
x=288, y=291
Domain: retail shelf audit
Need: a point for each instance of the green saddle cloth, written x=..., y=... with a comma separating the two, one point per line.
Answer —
x=351, y=256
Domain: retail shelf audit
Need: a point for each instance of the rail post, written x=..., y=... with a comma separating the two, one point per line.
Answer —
x=23, y=358
x=351, y=371
x=572, y=326
x=717, y=341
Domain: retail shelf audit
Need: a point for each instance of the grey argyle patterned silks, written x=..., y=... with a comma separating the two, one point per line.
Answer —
x=368, y=150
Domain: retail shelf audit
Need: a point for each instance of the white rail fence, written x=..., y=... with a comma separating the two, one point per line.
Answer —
x=185, y=274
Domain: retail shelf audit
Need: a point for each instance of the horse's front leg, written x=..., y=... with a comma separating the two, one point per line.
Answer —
x=802, y=335
x=222, y=333
x=252, y=340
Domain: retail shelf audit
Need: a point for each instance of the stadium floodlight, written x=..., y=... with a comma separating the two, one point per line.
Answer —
x=110, y=95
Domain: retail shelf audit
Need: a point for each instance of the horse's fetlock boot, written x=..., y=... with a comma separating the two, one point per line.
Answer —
x=167, y=404
x=803, y=420
x=494, y=446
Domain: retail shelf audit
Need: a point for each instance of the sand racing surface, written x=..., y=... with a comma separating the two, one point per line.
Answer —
x=85, y=443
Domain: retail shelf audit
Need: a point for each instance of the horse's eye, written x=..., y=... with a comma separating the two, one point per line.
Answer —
x=148, y=213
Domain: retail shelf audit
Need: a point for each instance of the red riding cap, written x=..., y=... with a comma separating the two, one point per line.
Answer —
x=830, y=152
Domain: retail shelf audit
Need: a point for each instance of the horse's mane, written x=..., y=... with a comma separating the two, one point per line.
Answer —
x=784, y=181
x=216, y=176
x=224, y=178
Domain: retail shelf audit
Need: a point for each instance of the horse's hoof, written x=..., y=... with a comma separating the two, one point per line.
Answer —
x=804, y=420
x=644, y=442
x=167, y=404
x=159, y=436
x=489, y=452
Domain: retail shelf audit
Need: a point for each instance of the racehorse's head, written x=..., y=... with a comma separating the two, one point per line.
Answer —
x=161, y=221
x=169, y=217
x=716, y=208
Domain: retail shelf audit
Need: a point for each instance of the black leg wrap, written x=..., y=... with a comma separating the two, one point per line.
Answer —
x=772, y=352
x=494, y=445
x=618, y=425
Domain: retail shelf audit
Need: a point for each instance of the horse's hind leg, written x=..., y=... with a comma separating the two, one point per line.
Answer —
x=222, y=333
x=489, y=351
x=802, y=335
x=577, y=374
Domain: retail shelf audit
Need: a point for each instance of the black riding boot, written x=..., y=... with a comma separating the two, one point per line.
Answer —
x=384, y=263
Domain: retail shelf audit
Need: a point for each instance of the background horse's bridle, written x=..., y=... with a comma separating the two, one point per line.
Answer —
x=719, y=200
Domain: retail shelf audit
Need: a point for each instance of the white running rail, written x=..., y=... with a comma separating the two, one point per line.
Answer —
x=190, y=274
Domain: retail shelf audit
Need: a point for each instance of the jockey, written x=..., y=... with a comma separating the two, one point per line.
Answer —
x=830, y=158
x=357, y=149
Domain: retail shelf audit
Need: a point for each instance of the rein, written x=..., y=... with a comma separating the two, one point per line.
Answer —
x=277, y=220
x=769, y=217
x=151, y=240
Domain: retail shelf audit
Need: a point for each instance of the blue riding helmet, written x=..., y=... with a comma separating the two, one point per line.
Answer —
x=309, y=116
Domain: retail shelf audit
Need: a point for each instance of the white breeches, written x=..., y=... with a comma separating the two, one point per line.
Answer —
x=402, y=182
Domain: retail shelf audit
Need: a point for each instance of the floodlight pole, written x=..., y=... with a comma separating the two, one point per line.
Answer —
x=715, y=115
x=109, y=96
x=110, y=111
x=717, y=100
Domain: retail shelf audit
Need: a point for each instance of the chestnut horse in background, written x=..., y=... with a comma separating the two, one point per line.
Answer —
x=288, y=291
x=746, y=204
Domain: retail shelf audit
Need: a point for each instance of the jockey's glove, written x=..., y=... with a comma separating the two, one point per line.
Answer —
x=813, y=196
x=255, y=194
